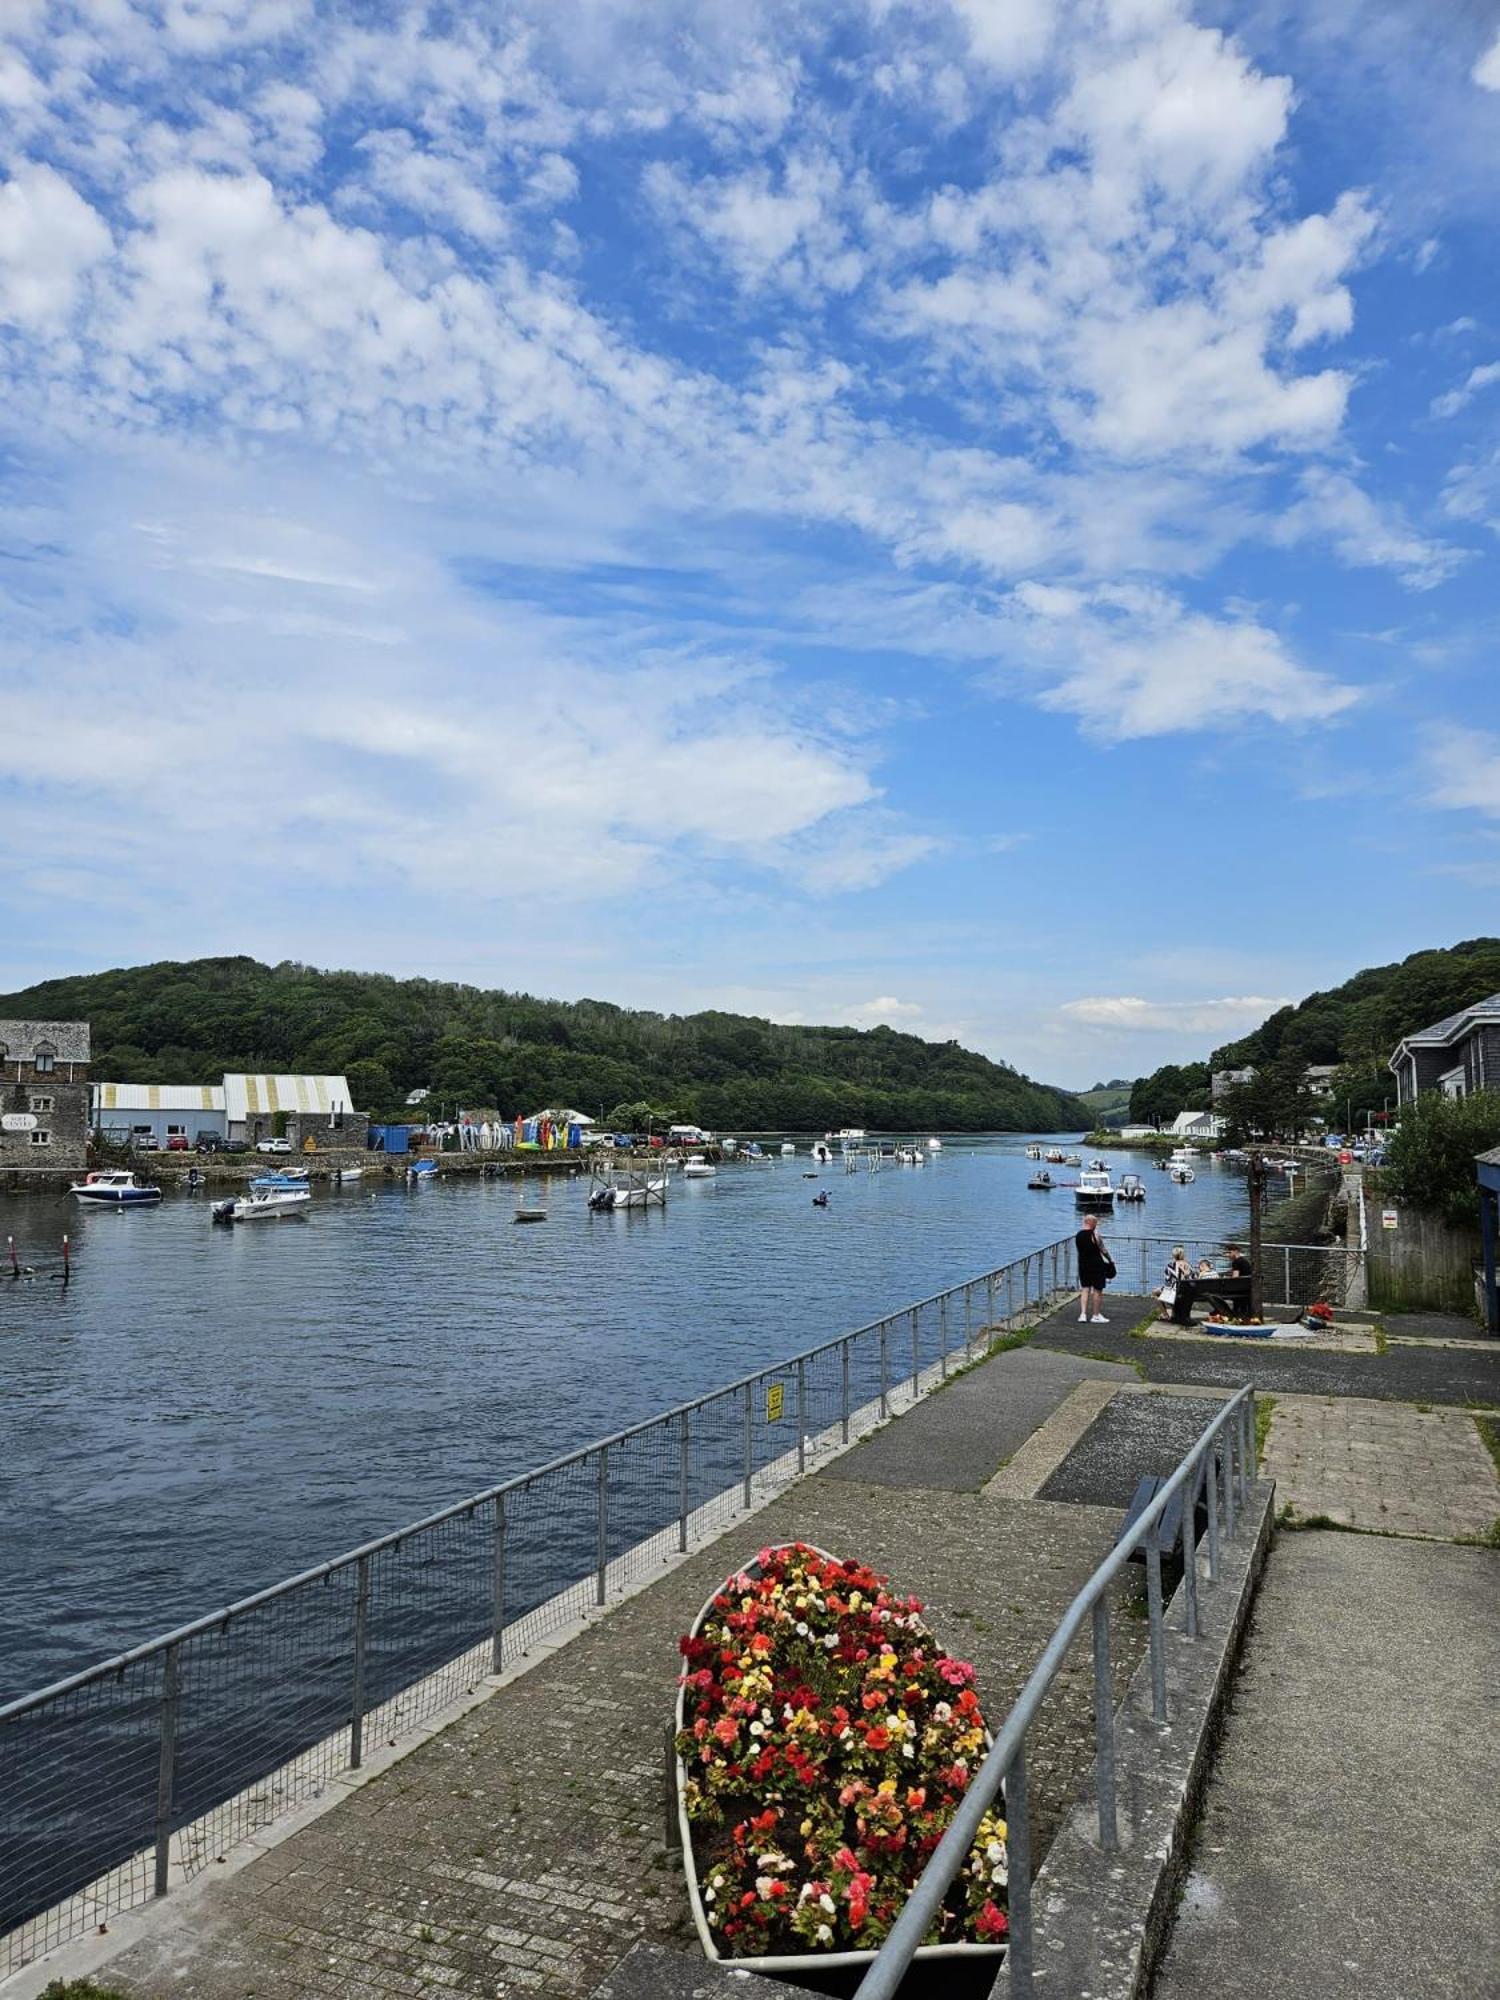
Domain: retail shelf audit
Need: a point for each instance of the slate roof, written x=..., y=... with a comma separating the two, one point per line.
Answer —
x=1447, y=1030
x=69, y=1039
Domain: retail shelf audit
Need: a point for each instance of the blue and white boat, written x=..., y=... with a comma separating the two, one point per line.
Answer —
x=116, y=1190
x=421, y=1170
x=283, y=1178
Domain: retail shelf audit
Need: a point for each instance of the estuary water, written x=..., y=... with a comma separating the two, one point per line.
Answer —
x=203, y=1411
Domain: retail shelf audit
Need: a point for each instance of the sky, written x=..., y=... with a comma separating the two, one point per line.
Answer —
x=974, y=516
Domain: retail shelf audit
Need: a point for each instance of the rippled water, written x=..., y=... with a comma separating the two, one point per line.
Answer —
x=206, y=1410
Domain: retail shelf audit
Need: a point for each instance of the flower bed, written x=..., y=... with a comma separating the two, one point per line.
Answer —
x=824, y=1741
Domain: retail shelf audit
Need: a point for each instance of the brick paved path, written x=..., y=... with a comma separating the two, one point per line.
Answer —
x=1392, y=1467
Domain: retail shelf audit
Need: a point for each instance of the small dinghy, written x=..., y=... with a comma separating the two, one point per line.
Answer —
x=530, y=1215
x=881, y=1730
x=1042, y=1182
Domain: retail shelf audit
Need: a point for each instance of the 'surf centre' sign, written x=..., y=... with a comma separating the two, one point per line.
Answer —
x=18, y=1121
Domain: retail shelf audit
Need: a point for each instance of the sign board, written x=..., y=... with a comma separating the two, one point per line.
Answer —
x=1390, y=1218
x=18, y=1121
x=775, y=1396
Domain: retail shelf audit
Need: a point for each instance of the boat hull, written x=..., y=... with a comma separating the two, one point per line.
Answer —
x=119, y=1197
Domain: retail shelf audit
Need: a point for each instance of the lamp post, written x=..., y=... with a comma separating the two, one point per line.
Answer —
x=1257, y=1183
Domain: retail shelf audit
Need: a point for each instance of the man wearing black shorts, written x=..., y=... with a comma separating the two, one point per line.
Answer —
x=1095, y=1269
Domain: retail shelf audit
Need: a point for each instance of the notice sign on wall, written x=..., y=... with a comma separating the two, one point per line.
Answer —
x=18, y=1121
x=775, y=1396
x=1390, y=1218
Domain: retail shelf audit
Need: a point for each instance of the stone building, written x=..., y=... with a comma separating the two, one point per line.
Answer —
x=1457, y=1056
x=44, y=1095
x=302, y=1109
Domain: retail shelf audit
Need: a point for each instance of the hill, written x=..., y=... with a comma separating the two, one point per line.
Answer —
x=1108, y=1104
x=1360, y=1022
x=184, y=1022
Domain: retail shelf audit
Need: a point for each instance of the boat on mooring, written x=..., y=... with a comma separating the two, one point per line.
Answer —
x=1033, y=1152
x=696, y=1168
x=263, y=1205
x=1042, y=1182
x=116, y=1190
x=1131, y=1188
x=1093, y=1189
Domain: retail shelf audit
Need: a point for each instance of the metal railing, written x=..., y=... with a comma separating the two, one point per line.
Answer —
x=150, y=1766
x=1217, y=1473
x=1291, y=1274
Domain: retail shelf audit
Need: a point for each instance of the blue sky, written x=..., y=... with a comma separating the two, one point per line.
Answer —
x=976, y=516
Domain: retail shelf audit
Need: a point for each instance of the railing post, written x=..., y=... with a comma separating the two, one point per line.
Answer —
x=361, y=1629
x=884, y=1370
x=1018, y=1891
x=682, y=1483
x=601, y=1549
x=1286, y=1274
x=943, y=1336
x=1010, y=1296
x=166, y=1764
x=1104, y=1730
x=968, y=1320
x=1190, y=1555
x=497, y=1603
x=801, y=1416
x=916, y=1354
x=844, y=1391
x=989, y=1300
x=1211, y=1487
x=749, y=1439
x=1156, y=1630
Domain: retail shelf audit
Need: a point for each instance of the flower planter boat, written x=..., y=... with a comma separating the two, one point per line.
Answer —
x=839, y=1767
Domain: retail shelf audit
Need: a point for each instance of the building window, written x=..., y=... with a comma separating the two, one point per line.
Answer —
x=41, y=1138
x=41, y=1103
x=45, y=1057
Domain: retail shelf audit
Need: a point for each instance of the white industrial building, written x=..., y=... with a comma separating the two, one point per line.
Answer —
x=151, y=1115
x=314, y=1112
x=301, y=1107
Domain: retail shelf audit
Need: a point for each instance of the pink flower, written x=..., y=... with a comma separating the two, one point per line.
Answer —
x=957, y=1673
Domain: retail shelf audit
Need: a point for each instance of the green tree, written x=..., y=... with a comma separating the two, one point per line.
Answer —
x=1429, y=1161
x=1275, y=1103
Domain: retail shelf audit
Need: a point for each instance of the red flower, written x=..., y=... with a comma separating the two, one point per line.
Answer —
x=991, y=1922
x=878, y=1738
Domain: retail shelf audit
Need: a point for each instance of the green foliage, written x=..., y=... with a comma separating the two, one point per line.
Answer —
x=1429, y=1161
x=1275, y=1103
x=1108, y=1103
x=189, y=1022
x=1362, y=1021
x=80, y=1989
x=1157, y=1099
x=1354, y=1091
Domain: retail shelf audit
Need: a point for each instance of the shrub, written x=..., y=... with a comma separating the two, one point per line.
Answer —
x=1430, y=1160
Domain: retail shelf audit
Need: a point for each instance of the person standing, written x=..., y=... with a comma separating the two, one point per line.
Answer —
x=1095, y=1269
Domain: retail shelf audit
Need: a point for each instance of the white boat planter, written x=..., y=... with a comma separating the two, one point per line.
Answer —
x=817, y=1833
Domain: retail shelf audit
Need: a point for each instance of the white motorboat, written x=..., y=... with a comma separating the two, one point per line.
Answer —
x=822, y=1152
x=1131, y=1188
x=262, y=1205
x=634, y=1193
x=848, y=1134
x=1182, y=1156
x=116, y=1190
x=1033, y=1152
x=1093, y=1189
x=934, y=1145
x=344, y=1175
x=1180, y=1172
x=788, y=1150
x=696, y=1168
x=911, y=1156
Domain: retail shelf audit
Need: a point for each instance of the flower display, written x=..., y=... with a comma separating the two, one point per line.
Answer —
x=827, y=1741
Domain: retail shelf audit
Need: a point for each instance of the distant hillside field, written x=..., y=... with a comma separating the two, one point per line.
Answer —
x=1108, y=1105
x=189, y=1022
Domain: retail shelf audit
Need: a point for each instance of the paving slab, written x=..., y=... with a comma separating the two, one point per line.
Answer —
x=1346, y=1848
x=1133, y=1435
x=1388, y=1467
x=960, y=1437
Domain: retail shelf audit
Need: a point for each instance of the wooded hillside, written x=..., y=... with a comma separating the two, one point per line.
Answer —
x=188, y=1022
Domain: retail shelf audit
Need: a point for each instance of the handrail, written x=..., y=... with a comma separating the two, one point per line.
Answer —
x=320, y=1572
x=1007, y=1756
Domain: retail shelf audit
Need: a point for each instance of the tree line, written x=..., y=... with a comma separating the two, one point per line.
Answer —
x=187, y=1022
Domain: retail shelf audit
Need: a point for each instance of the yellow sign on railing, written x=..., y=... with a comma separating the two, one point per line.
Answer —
x=775, y=1397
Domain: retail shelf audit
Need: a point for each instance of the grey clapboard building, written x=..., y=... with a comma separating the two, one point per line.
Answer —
x=1457, y=1056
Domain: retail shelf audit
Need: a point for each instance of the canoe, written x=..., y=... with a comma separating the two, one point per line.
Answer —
x=722, y=1806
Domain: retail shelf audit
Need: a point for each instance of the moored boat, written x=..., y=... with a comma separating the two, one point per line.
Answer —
x=1131, y=1188
x=262, y=1205
x=1033, y=1152
x=696, y=1168
x=1093, y=1189
x=116, y=1190
x=1041, y=1181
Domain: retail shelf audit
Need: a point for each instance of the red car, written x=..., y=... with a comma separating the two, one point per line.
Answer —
x=177, y=1143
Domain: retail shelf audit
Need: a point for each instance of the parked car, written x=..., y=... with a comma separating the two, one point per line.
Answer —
x=236, y=1145
x=146, y=1142
x=177, y=1143
x=209, y=1142
x=273, y=1145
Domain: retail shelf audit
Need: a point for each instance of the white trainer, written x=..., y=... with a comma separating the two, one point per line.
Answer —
x=1099, y=1320
x=1083, y=1319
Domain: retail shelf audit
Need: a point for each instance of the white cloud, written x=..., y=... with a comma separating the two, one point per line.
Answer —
x=1365, y=533
x=49, y=239
x=1455, y=400
x=1463, y=770
x=885, y=1010
x=1486, y=72
x=1219, y=1016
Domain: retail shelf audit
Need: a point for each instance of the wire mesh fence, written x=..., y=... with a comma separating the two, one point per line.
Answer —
x=142, y=1771
x=1291, y=1274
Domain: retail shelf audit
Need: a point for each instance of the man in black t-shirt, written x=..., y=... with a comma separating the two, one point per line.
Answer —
x=1095, y=1269
x=1239, y=1263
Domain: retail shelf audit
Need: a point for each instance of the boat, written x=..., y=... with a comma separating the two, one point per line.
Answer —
x=262, y=1205
x=822, y=1152
x=850, y=1134
x=1041, y=1181
x=116, y=1190
x=757, y=1155
x=1183, y=1155
x=281, y=1178
x=1093, y=1189
x=421, y=1170
x=1033, y=1152
x=820, y=1200
x=630, y=1194
x=934, y=1145
x=911, y=1156
x=781, y=1662
x=342, y=1175
x=1181, y=1173
x=696, y=1168
x=1131, y=1188
x=530, y=1215
x=1098, y=1166
x=788, y=1150
x=1055, y=1156
x=1072, y=1159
